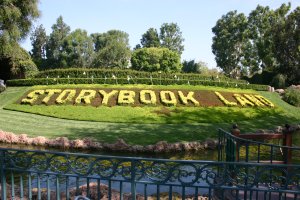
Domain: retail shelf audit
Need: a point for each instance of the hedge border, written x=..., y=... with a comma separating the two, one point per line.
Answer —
x=153, y=81
x=124, y=73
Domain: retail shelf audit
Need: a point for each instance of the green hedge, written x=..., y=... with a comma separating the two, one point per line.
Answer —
x=155, y=81
x=108, y=73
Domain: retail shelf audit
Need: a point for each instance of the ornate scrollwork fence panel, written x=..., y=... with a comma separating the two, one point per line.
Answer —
x=54, y=175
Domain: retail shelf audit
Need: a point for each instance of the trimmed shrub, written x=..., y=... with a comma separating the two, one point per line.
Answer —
x=264, y=78
x=155, y=59
x=128, y=74
x=278, y=81
x=292, y=96
x=147, y=81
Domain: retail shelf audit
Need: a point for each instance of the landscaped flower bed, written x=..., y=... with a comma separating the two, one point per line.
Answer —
x=139, y=97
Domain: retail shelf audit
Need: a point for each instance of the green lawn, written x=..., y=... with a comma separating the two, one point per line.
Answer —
x=144, y=131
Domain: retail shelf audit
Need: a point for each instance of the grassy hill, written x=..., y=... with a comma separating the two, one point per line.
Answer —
x=138, y=125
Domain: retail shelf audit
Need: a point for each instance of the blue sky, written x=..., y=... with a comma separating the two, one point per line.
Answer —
x=194, y=17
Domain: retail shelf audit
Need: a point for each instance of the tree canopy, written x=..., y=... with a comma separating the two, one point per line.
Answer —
x=265, y=40
x=155, y=59
x=287, y=47
x=112, y=49
x=171, y=37
x=150, y=38
x=56, y=53
x=16, y=18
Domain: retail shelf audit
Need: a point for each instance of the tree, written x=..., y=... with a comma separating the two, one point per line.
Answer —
x=260, y=54
x=287, y=47
x=171, y=37
x=16, y=18
x=39, y=41
x=229, y=42
x=155, y=59
x=79, y=49
x=56, y=54
x=112, y=49
x=192, y=66
x=150, y=38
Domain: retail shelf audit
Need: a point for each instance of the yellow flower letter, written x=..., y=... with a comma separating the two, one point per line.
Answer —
x=151, y=94
x=107, y=95
x=32, y=97
x=189, y=97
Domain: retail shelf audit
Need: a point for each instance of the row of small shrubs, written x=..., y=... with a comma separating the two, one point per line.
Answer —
x=119, y=73
x=292, y=96
x=153, y=81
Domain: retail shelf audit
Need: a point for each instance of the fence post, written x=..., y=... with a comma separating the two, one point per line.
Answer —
x=2, y=176
x=288, y=141
x=236, y=132
x=133, y=184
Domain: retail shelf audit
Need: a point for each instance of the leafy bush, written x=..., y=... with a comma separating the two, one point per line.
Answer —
x=278, y=81
x=155, y=59
x=147, y=81
x=131, y=74
x=292, y=96
x=264, y=78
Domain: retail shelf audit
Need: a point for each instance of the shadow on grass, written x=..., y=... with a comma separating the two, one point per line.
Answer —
x=145, y=134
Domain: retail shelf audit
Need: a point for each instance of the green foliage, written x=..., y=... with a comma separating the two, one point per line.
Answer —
x=264, y=78
x=146, y=81
x=190, y=66
x=56, y=53
x=171, y=37
x=17, y=64
x=278, y=81
x=122, y=73
x=39, y=40
x=15, y=22
x=260, y=24
x=287, y=46
x=16, y=19
x=246, y=45
x=292, y=96
x=79, y=48
x=150, y=38
x=229, y=41
x=112, y=49
x=194, y=67
x=155, y=59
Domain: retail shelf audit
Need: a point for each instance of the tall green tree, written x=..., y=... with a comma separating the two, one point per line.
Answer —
x=171, y=37
x=150, y=38
x=16, y=18
x=260, y=54
x=287, y=47
x=56, y=53
x=112, y=49
x=79, y=49
x=155, y=59
x=192, y=66
x=230, y=41
x=39, y=41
